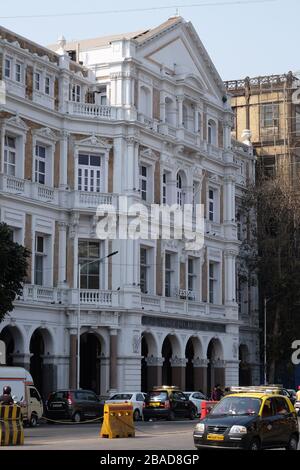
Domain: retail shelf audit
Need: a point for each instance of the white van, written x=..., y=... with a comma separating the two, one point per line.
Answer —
x=23, y=391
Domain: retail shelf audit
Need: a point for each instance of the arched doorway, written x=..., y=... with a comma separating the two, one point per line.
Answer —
x=215, y=367
x=7, y=337
x=245, y=376
x=167, y=353
x=42, y=366
x=90, y=362
x=37, y=350
x=189, y=369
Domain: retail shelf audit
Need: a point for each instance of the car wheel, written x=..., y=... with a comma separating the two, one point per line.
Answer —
x=33, y=421
x=171, y=416
x=76, y=417
x=192, y=415
x=293, y=443
x=254, y=445
x=136, y=415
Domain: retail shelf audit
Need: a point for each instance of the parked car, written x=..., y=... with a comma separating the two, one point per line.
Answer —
x=197, y=398
x=77, y=405
x=249, y=421
x=136, y=398
x=23, y=392
x=168, y=402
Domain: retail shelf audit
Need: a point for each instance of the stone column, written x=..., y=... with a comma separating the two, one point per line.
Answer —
x=180, y=110
x=113, y=350
x=62, y=254
x=200, y=374
x=178, y=372
x=163, y=106
x=73, y=359
x=63, y=164
x=229, y=199
x=230, y=276
x=154, y=371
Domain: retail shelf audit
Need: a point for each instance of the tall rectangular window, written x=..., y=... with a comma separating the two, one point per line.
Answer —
x=270, y=115
x=18, y=72
x=191, y=275
x=143, y=181
x=213, y=280
x=47, y=85
x=168, y=275
x=10, y=155
x=211, y=205
x=40, y=164
x=75, y=93
x=37, y=81
x=164, y=189
x=39, y=260
x=7, y=67
x=144, y=270
x=88, y=257
x=89, y=173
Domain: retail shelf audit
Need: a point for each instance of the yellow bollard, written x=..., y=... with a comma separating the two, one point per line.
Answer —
x=11, y=426
x=117, y=421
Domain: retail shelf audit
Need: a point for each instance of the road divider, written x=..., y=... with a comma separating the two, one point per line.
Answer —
x=117, y=421
x=11, y=426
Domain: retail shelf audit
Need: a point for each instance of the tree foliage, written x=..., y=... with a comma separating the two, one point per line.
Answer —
x=276, y=241
x=13, y=269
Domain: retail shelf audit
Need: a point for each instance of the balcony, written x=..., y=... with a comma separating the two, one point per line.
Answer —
x=94, y=110
x=151, y=124
x=176, y=306
x=28, y=189
x=89, y=200
x=94, y=298
x=49, y=295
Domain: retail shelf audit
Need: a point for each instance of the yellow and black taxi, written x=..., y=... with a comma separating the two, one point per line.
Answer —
x=250, y=420
x=168, y=402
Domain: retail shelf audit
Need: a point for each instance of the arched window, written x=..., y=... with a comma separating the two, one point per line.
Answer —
x=179, y=190
x=212, y=132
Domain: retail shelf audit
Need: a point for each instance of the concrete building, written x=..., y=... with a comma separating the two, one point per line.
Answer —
x=143, y=115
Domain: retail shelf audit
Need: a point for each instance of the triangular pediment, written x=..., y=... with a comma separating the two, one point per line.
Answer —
x=94, y=142
x=179, y=53
x=46, y=133
x=17, y=122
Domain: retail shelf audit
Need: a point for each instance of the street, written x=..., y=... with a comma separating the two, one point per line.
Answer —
x=162, y=435
x=157, y=435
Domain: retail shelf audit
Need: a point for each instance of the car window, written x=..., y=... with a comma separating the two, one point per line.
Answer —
x=178, y=396
x=91, y=396
x=139, y=397
x=158, y=396
x=281, y=406
x=237, y=406
x=189, y=395
x=59, y=396
x=121, y=396
x=268, y=409
x=34, y=394
x=197, y=396
x=81, y=396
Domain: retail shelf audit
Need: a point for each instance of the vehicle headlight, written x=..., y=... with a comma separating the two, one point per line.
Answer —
x=200, y=427
x=238, y=430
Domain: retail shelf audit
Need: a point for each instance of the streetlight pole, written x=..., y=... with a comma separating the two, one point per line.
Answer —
x=80, y=266
x=265, y=340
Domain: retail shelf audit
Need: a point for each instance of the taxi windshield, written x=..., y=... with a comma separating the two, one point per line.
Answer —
x=231, y=406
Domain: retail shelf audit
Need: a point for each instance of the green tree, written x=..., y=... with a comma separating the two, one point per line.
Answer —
x=13, y=269
x=274, y=249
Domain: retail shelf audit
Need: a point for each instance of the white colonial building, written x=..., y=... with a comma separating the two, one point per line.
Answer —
x=142, y=115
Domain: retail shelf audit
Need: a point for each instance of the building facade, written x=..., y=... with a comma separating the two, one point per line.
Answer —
x=146, y=116
x=269, y=107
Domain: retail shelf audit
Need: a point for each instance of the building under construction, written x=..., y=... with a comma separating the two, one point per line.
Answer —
x=269, y=107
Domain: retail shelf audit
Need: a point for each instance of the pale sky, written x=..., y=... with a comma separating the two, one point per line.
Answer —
x=242, y=40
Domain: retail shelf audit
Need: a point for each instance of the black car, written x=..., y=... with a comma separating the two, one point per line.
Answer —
x=77, y=405
x=250, y=421
x=168, y=403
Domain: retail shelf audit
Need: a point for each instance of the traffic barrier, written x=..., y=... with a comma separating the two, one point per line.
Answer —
x=117, y=421
x=206, y=407
x=11, y=426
